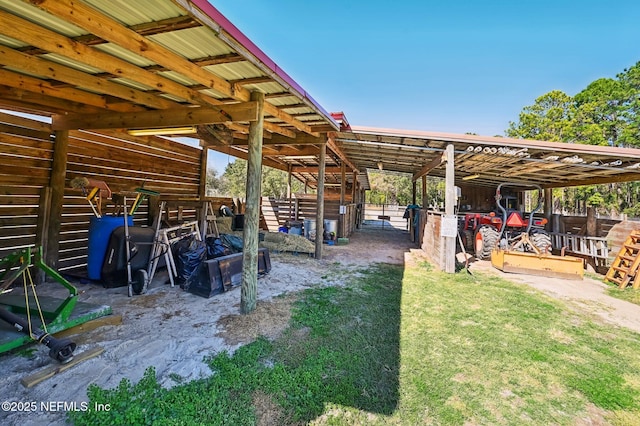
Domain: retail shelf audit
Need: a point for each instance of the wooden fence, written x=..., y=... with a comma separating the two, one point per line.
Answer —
x=277, y=212
x=122, y=161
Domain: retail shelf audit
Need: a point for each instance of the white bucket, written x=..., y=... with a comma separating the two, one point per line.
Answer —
x=310, y=229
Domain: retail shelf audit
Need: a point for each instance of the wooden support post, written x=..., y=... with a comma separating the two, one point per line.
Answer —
x=592, y=222
x=320, y=201
x=343, y=183
x=289, y=168
x=414, y=190
x=202, y=189
x=424, y=192
x=343, y=193
x=449, y=204
x=56, y=182
x=548, y=206
x=354, y=187
x=289, y=194
x=249, y=289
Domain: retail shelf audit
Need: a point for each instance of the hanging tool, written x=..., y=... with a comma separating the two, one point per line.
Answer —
x=99, y=191
x=141, y=196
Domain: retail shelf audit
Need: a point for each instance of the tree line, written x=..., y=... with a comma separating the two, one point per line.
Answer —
x=606, y=112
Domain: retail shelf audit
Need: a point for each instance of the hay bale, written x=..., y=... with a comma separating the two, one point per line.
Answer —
x=279, y=241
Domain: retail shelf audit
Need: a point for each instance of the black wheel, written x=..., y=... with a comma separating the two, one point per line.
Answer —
x=542, y=240
x=140, y=281
x=467, y=239
x=486, y=240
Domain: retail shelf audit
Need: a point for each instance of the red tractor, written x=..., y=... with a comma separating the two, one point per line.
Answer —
x=483, y=232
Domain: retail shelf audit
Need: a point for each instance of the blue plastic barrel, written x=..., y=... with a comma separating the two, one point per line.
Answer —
x=100, y=229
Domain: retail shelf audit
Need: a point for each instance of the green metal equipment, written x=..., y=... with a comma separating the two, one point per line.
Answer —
x=44, y=315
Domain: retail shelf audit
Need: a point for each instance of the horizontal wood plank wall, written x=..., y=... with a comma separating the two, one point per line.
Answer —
x=26, y=153
x=432, y=242
x=577, y=225
x=123, y=162
x=276, y=212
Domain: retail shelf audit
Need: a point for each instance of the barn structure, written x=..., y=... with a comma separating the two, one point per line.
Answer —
x=115, y=78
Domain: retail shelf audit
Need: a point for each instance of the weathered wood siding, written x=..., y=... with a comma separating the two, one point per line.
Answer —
x=26, y=152
x=618, y=235
x=276, y=212
x=431, y=242
x=577, y=225
x=122, y=161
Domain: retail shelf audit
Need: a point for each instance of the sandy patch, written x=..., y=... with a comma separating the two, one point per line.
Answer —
x=174, y=330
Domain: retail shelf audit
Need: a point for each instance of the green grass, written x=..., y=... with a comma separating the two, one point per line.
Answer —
x=406, y=347
x=629, y=294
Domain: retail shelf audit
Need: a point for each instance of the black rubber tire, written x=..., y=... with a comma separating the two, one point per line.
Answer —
x=486, y=239
x=139, y=282
x=467, y=239
x=542, y=240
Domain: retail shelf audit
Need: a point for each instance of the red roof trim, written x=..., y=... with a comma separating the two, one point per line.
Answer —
x=234, y=32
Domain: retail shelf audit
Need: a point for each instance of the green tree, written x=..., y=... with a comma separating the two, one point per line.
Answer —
x=235, y=178
x=215, y=183
x=599, y=113
x=630, y=80
x=549, y=118
x=274, y=181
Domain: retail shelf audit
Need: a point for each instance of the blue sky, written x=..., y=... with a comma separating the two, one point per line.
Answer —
x=450, y=66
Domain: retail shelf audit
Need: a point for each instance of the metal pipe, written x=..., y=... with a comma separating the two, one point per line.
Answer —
x=59, y=349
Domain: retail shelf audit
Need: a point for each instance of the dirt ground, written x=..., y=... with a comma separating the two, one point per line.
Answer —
x=173, y=330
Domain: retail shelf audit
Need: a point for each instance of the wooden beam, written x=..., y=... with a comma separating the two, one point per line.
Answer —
x=251, y=80
x=52, y=370
x=429, y=166
x=111, y=30
x=246, y=111
x=274, y=128
x=299, y=139
x=249, y=289
x=333, y=146
x=290, y=150
x=51, y=41
x=37, y=66
x=227, y=58
x=45, y=88
x=623, y=177
x=314, y=169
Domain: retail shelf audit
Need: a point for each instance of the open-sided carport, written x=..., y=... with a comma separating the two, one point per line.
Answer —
x=103, y=69
x=479, y=162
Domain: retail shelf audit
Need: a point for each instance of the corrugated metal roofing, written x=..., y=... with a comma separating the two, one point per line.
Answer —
x=229, y=65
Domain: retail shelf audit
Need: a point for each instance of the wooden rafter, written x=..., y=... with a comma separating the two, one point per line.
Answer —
x=109, y=29
x=53, y=42
x=38, y=66
x=246, y=111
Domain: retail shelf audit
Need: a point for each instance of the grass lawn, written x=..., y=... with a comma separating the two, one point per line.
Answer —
x=629, y=294
x=407, y=346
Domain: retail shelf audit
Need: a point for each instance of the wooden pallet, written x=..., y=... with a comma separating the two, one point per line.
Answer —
x=625, y=269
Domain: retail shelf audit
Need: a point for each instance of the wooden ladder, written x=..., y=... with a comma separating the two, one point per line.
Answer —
x=626, y=266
